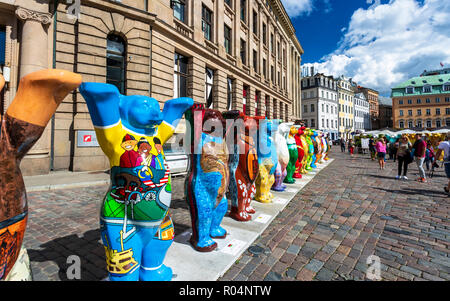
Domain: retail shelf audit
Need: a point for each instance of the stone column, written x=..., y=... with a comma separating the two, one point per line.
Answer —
x=34, y=42
x=34, y=57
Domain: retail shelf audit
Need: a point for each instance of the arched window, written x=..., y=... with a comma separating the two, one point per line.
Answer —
x=401, y=124
x=116, y=62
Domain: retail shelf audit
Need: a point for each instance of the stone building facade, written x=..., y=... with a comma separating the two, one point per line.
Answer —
x=346, y=96
x=320, y=104
x=228, y=54
x=422, y=102
x=362, y=113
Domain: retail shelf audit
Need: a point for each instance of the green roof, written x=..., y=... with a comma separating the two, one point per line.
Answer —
x=436, y=81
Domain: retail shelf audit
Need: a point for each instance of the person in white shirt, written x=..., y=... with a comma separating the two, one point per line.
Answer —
x=444, y=146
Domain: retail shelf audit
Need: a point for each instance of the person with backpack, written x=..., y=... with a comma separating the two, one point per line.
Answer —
x=444, y=146
x=404, y=157
x=430, y=157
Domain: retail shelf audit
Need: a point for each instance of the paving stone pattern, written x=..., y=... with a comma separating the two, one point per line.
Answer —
x=351, y=210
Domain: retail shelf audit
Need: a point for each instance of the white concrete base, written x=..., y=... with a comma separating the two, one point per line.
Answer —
x=190, y=265
x=21, y=270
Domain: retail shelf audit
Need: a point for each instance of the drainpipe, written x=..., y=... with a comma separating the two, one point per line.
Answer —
x=151, y=62
x=52, y=131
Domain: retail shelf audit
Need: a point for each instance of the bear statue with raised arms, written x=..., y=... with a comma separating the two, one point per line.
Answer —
x=37, y=98
x=208, y=177
x=243, y=162
x=135, y=224
x=283, y=155
x=268, y=160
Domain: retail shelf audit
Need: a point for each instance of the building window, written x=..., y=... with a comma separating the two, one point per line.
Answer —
x=409, y=112
x=272, y=74
x=409, y=101
x=227, y=36
x=427, y=89
x=244, y=10
x=419, y=123
x=245, y=93
x=446, y=87
x=265, y=68
x=116, y=62
x=438, y=100
x=264, y=34
x=255, y=22
x=313, y=123
x=401, y=124
x=272, y=43
x=255, y=61
x=447, y=99
x=447, y=122
x=438, y=123
x=427, y=100
x=180, y=76
x=410, y=90
x=428, y=123
x=230, y=83
x=179, y=9
x=400, y=102
x=228, y=2
x=209, y=80
x=312, y=108
x=243, y=52
x=447, y=111
x=2, y=45
x=428, y=112
x=410, y=124
x=305, y=109
x=401, y=112
x=419, y=100
x=207, y=23
x=438, y=111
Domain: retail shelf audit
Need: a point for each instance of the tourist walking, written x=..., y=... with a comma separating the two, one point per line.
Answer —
x=380, y=146
x=420, y=147
x=351, y=147
x=430, y=157
x=372, y=148
x=343, y=145
x=404, y=157
x=444, y=146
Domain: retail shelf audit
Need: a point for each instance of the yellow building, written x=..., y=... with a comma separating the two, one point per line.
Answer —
x=346, y=96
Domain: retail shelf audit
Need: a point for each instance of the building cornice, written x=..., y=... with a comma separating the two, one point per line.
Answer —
x=285, y=21
x=25, y=14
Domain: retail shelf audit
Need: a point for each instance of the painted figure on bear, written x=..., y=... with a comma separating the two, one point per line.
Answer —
x=293, y=155
x=282, y=154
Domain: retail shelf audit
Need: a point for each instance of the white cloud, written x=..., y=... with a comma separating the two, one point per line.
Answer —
x=295, y=8
x=387, y=44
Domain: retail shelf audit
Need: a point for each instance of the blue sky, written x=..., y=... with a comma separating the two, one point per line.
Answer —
x=378, y=43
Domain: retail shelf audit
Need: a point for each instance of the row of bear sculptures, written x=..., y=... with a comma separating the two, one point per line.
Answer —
x=233, y=159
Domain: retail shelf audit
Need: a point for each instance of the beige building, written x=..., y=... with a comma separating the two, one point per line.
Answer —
x=228, y=54
x=346, y=95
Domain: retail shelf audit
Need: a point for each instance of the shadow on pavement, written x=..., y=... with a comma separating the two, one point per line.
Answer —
x=414, y=191
x=88, y=248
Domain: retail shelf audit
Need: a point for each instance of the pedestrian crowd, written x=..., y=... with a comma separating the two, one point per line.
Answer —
x=403, y=152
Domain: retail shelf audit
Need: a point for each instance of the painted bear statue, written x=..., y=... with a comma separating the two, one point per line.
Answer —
x=243, y=162
x=301, y=152
x=37, y=98
x=268, y=161
x=311, y=155
x=208, y=177
x=135, y=224
x=282, y=154
x=293, y=155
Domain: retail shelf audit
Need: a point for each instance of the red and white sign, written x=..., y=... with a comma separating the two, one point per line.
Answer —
x=87, y=138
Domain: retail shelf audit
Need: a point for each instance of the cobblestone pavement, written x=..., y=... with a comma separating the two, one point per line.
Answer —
x=65, y=222
x=349, y=211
